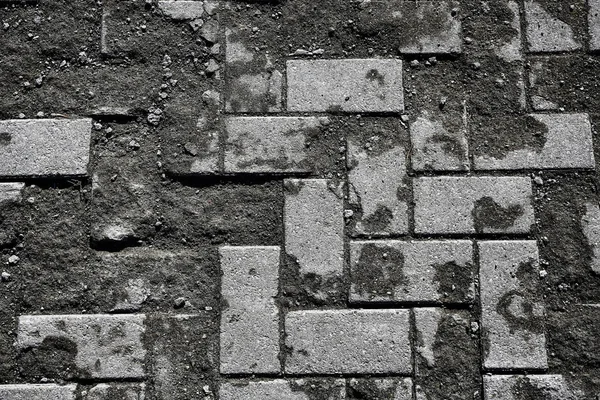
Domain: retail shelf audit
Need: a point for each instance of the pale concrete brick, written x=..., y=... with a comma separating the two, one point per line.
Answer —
x=279, y=389
x=473, y=205
x=250, y=321
x=382, y=201
x=121, y=391
x=513, y=332
x=517, y=387
x=594, y=24
x=37, y=392
x=348, y=341
x=366, y=85
x=590, y=222
x=314, y=225
x=546, y=33
x=512, y=50
x=269, y=144
x=181, y=10
x=415, y=271
x=11, y=191
x=381, y=388
x=44, y=147
x=108, y=346
x=567, y=143
x=437, y=147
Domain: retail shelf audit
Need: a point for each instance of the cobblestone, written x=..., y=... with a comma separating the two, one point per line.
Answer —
x=545, y=32
x=515, y=387
x=348, y=341
x=49, y=391
x=513, y=331
x=11, y=191
x=110, y=391
x=473, y=205
x=250, y=321
x=367, y=85
x=280, y=389
x=44, y=147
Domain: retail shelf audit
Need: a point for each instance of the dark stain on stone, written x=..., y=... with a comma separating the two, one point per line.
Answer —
x=404, y=192
x=379, y=270
x=5, y=138
x=453, y=281
x=368, y=389
x=53, y=358
x=374, y=75
x=525, y=389
x=379, y=220
x=335, y=108
x=487, y=214
x=293, y=187
x=317, y=389
x=451, y=145
x=485, y=343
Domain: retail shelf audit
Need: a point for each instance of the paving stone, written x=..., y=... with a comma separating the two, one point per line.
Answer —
x=521, y=387
x=591, y=229
x=44, y=147
x=367, y=85
x=545, y=32
x=473, y=205
x=253, y=82
x=512, y=50
x=113, y=391
x=270, y=144
x=383, y=202
x=549, y=141
x=594, y=24
x=93, y=346
x=432, y=271
x=250, y=320
x=421, y=27
x=436, y=147
x=348, y=341
x=49, y=391
x=314, y=226
x=279, y=389
x=11, y=191
x=513, y=332
x=181, y=10
x=381, y=388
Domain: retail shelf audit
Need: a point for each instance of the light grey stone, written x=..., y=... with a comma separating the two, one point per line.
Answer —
x=590, y=222
x=440, y=271
x=108, y=346
x=11, y=191
x=477, y=204
x=29, y=391
x=546, y=33
x=268, y=144
x=122, y=391
x=516, y=387
x=594, y=24
x=382, y=388
x=250, y=321
x=383, y=212
x=567, y=144
x=351, y=85
x=44, y=147
x=181, y=10
x=348, y=341
x=207, y=157
x=279, y=389
x=512, y=50
x=427, y=320
x=512, y=310
x=314, y=225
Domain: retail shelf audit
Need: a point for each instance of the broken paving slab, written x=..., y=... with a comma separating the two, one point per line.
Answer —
x=366, y=85
x=512, y=306
x=110, y=391
x=594, y=24
x=428, y=271
x=271, y=144
x=181, y=10
x=547, y=32
x=381, y=388
x=475, y=204
x=429, y=27
x=44, y=147
x=536, y=141
x=518, y=387
x=11, y=191
x=279, y=389
x=31, y=391
x=590, y=224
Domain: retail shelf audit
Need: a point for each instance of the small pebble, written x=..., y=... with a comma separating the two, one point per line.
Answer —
x=179, y=302
x=5, y=276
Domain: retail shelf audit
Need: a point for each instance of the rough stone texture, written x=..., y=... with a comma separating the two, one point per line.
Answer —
x=250, y=319
x=11, y=191
x=473, y=205
x=513, y=332
x=594, y=24
x=269, y=144
x=95, y=346
x=517, y=387
x=591, y=229
x=512, y=49
x=181, y=10
x=114, y=391
x=545, y=32
x=367, y=85
x=566, y=142
x=314, y=225
x=279, y=389
x=44, y=147
x=382, y=201
x=429, y=271
x=49, y=391
x=348, y=341
x=381, y=388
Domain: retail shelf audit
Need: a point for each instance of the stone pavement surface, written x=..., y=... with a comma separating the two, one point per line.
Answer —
x=299, y=200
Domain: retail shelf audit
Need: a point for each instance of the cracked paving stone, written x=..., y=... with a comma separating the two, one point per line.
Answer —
x=521, y=387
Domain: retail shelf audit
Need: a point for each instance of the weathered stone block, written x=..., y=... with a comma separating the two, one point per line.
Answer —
x=594, y=24
x=181, y=10
x=279, y=389
x=381, y=388
x=11, y=191
x=112, y=391
x=547, y=32
x=49, y=391
x=516, y=387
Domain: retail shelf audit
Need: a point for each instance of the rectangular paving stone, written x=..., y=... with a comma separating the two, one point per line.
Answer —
x=250, y=318
x=44, y=147
x=594, y=24
x=545, y=31
x=103, y=346
x=512, y=308
x=270, y=144
x=381, y=388
x=11, y=191
x=517, y=387
x=549, y=141
x=30, y=391
x=430, y=271
x=477, y=204
x=348, y=341
x=314, y=225
x=181, y=10
x=350, y=85
x=112, y=391
x=280, y=389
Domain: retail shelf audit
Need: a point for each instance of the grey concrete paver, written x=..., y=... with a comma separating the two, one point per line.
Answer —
x=31, y=391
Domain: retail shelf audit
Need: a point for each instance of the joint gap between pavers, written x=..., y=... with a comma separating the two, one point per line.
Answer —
x=412, y=339
x=497, y=173
x=476, y=236
x=560, y=53
x=514, y=371
x=47, y=182
x=476, y=261
x=395, y=305
x=282, y=260
x=342, y=375
x=200, y=181
x=410, y=172
x=309, y=113
x=346, y=267
x=94, y=381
